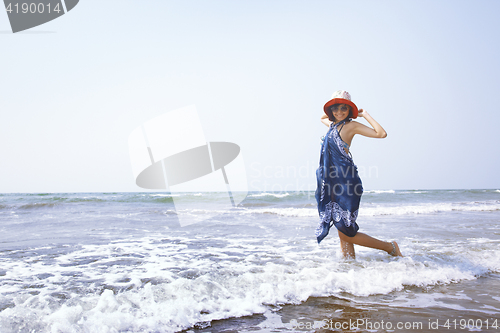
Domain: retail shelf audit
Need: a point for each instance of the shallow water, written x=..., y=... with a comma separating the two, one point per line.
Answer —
x=120, y=262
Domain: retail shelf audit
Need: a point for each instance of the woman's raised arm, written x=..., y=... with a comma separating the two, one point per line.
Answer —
x=376, y=132
x=325, y=120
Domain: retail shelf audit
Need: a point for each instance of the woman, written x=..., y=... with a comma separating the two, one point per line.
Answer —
x=339, y=186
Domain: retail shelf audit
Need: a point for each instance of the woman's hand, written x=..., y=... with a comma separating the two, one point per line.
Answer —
x=325, y=120
x=361, y=113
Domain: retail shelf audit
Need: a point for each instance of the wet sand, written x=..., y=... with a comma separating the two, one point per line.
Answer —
x=457, y=307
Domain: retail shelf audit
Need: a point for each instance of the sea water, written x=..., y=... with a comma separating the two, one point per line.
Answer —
x=121, y=262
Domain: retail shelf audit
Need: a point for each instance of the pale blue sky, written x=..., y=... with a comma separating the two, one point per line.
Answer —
x=259, y=72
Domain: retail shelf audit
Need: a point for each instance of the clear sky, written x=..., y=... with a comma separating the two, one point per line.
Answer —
x=259, y=72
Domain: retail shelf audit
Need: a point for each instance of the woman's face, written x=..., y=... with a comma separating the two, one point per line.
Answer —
x=340, y=111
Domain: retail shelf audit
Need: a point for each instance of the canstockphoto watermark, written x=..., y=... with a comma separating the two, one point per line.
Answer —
x=170, y=152
x=26, y=14
x=436, y=324
x=357, y=324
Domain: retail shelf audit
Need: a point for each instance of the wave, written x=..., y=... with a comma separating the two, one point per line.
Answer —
x=163, y=195
x=51, y=201
x=37, y=205
x=290, y=211
x=268, y=194
x=82, y=199
x=484, y=206
x=379, y=191
x=272, y=202
x=199, y=194
x=304, y=210
x=369, y=210
x=161, y=285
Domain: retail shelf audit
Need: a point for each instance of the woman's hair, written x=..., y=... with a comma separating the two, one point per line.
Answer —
x=332, y=118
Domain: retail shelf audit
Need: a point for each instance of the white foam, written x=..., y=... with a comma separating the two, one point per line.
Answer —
x=385, y=209
x=168, y=282
x=492, y=205
x=171, y=195
x=267, y=194
x=161, y=285
x=289, y=211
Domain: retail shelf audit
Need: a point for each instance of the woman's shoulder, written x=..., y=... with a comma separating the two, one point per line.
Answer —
x=351, y=128
x=352, y=123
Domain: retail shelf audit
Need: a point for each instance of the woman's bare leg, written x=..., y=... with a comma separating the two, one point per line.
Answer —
x=368, y=241
x=347, y=249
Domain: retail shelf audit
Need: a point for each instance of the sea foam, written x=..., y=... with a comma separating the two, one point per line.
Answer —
x=151, y=285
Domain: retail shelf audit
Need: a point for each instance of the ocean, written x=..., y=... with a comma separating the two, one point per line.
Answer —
x=121, y=262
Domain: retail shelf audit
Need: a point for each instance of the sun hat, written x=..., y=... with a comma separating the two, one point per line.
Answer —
x=341, y=97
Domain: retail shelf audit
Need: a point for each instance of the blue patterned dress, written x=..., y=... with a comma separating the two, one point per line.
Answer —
x=339, y=187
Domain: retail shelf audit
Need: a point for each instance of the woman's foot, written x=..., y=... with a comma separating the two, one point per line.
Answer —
x=395, y=250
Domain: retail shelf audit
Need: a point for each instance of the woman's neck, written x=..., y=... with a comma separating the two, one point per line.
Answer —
x=340, y=121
